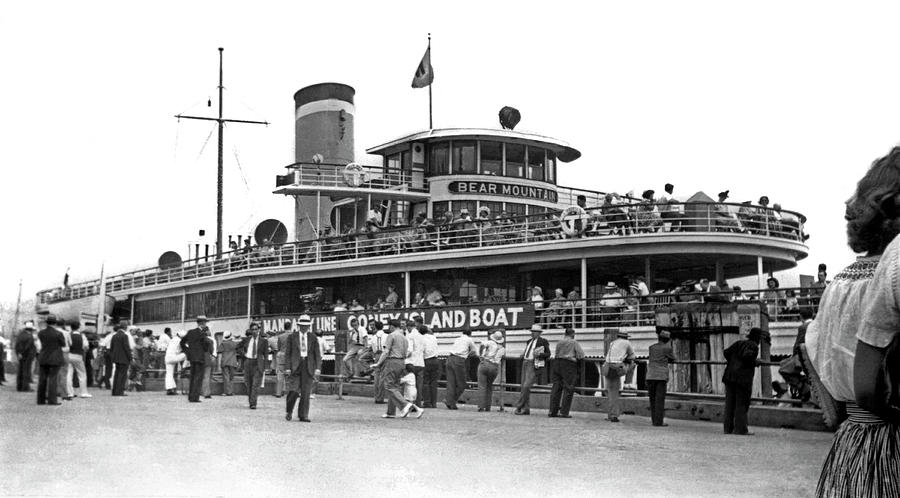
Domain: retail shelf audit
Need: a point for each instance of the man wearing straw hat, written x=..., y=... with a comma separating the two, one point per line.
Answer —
x=302, y=361
x=534, y=357
x=619, y=355
x=228, y=357
x=492, y=352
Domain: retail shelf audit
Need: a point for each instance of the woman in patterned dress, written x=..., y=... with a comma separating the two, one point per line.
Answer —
x=859, y=314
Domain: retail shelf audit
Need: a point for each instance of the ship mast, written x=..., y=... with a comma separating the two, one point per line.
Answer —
x=221, y=121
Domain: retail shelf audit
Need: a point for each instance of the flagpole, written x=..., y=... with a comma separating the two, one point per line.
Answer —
x=430, y=123
x=101, y=311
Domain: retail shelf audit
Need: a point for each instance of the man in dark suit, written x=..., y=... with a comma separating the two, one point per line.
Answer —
x=120, y=353
x=195, y=347
x=534, y=359
x=302, y=361
x=738, y=380
x=25, y=352
x=50, y=359
x=253, y=349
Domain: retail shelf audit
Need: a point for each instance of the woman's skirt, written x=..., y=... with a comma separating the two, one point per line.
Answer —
x=864, y=460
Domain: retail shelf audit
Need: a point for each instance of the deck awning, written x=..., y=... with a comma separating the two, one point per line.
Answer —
x=564, y=151
x=341, y=192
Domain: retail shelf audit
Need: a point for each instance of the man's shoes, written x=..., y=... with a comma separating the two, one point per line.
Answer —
x=419, y=412
x=86, y=395
x=405, y=411
x=208, y=397
x=229, y=394
x=661, y=425
x=745, y=434
x=613, y=419
x=565, y=416
x=278, y=395
x=385, y=415
x=449, y=406
x=192, y=401
x=522, y=412
x=170, y=392
x=54, y=404
x=552, y=415
x=253, y=407
x=483, y=410
x=305, y=420
x=288, y=416
x=67, y=398
x=380, y=402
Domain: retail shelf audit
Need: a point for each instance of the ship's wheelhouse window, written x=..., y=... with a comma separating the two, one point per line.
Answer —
x=438, y=209
x=514, y=208
x=515, y=160
x=551, y=166
x=536, y=158
x=491, y=158
x=464, y=160
x=439, y=159
x=393, y=163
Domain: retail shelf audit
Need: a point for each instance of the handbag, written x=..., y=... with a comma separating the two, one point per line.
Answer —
x=612, y=370
x=890, y=382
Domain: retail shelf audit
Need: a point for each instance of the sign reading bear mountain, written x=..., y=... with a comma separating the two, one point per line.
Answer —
x=505, y=189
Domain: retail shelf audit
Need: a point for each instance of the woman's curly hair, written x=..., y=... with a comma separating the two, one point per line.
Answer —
x=873, y=213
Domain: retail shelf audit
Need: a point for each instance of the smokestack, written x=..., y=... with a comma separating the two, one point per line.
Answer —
x=323, y=126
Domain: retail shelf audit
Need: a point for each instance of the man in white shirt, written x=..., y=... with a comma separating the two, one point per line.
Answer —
x=671, y=209
x=356, y=343
x=463, y=347
x=432, y=372
x=416, y=358
x=534, y=358
x=619, y=357
x=376, y=342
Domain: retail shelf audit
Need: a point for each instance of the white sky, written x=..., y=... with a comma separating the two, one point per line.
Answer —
x=789, y=99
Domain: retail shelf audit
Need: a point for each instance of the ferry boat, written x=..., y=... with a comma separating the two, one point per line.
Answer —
x=363, y=232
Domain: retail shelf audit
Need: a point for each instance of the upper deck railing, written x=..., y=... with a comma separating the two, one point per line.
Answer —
x=482, y=231
x=356, y=176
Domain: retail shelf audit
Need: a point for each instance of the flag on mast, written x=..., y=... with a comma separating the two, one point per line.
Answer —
x=424, y=73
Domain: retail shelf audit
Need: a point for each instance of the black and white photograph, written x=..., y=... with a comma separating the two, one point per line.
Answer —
x=525, y=249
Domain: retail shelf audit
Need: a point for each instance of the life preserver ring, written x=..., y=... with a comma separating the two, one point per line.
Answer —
x=355, y=175
x=569, y=221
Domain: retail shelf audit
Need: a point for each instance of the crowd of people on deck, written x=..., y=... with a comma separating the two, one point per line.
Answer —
x=615, y=215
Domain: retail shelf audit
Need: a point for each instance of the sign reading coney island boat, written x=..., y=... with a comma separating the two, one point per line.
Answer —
x=438, y=319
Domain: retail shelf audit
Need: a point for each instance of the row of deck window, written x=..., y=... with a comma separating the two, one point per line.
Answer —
x=482, y=157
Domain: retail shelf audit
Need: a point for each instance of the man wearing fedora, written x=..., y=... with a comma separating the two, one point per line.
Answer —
x=660, y=356
x=619, y=356
x=565, y=372
x=228, y=357
x=50, y=359
x=534, y=358
x=253, y=349
x=196, y=346
x=25, y=353
x=303, y=361
x=121, y=348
